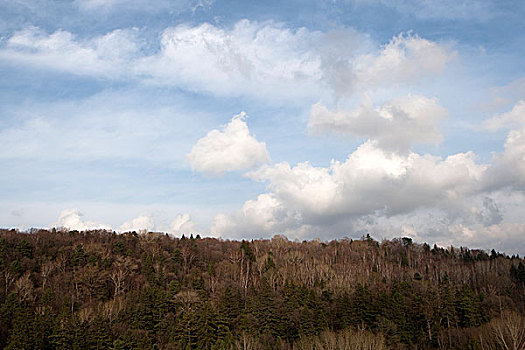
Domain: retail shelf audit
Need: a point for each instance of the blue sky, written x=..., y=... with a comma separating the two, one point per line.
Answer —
x=313, y=119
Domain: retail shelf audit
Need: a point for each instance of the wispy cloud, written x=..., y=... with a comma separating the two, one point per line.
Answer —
x=141, y=5
x=477, y=10
x=108, y=125
x=107, y=56
x=260, y=60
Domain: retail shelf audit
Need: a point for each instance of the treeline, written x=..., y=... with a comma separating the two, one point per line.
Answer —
x=102, y=290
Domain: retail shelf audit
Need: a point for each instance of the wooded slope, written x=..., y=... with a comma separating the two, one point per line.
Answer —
x=102, y=290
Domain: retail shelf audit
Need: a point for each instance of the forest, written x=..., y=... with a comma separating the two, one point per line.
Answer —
x=64, y=289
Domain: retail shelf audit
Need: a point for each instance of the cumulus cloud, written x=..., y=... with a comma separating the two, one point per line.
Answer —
x=232, y=148
x=396, y=124
x=490, y=213
x=515, y=117
x=505, y=236
x=476, y=222
x=142, y=223
x=370, y=181
x=265, y=216
x=72, y=220
x=452, y=200
x=262, y=60
x=509, y=166
x=183, y=225
x=441, y=226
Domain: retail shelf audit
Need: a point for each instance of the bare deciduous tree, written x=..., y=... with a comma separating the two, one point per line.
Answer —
x=506, y=332
x=24, y=286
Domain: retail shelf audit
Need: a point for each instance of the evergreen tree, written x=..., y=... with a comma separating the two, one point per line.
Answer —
x=520, y=273
x=99, y=334
x=467, y=307
x=229, y=307
x=266, y=310
x=22, y=332
x=147, y=267
x=68, y=333
x=205, y=326
x=363, y=310
x=151, y=309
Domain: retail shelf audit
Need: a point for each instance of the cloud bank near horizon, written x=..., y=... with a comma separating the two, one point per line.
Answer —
x=73, y=219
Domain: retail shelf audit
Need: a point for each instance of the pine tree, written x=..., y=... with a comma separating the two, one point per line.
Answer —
x=147, y=268
x=151, y=309
x=22, y=333
x=205, y=326
x=363, y=310
x=266, y=310
x=68, y=333
x=229, y=307
x=467, y=307
x=99, y=334
x=520, y=273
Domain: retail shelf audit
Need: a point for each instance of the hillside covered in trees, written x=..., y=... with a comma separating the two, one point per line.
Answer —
x=101, y=290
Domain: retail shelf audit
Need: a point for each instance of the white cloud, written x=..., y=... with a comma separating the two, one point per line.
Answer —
x=504, y=96
x=508, y=169
x=264, y=216
x=476, y=222
x=72, y=220
x=396, y=124
x=507, y=237
x=253, y=59
x=515, y=117
x=370, y=181
x=109, y=55
x=454, y=200
x=262, y=60
x=405, y=59
x=142, y=223
x=106, y=6
x=183, y=225
x=271, y=60
x=233, y=148
x=477, y=225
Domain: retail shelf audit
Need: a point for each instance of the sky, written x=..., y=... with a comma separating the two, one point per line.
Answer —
x=313, y=119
